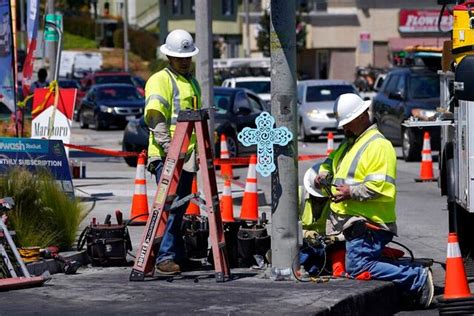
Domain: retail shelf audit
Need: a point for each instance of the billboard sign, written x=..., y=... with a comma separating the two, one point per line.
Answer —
x=424, y=21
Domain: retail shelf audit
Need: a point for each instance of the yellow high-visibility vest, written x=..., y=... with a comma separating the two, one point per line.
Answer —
x=169, y=92
x=371, y=160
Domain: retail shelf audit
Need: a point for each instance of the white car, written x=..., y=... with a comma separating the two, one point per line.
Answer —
x=258, y=85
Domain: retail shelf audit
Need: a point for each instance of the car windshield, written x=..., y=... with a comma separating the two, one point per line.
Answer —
x=255, y=86
x=68, y=84
x=327, y=93
x=222, y=102
x=118, y=94
x=113, y=79
x=424, y=87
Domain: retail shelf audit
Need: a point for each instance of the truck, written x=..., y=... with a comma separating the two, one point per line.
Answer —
x=74, y=64
x=455, y=116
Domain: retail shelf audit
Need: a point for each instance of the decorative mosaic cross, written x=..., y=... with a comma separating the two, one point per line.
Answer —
x=265, y=136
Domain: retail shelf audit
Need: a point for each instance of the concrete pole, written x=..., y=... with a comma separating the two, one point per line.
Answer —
x=52, y=47
x=247, y=28
x=163, y=22
x=125, y=37
x=283, y=92
x=204, y=61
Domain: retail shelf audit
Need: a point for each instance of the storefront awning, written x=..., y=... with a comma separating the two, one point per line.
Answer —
x=398, y=44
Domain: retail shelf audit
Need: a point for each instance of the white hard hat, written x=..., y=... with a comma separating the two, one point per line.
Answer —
x=179, y=43
x=349, y=106
x=308, y=180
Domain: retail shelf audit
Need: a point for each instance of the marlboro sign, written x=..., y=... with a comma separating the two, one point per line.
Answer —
x=44, y=113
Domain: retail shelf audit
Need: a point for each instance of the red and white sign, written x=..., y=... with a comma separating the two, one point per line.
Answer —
x=43, y=107
x=424, y=21
x=364, y=36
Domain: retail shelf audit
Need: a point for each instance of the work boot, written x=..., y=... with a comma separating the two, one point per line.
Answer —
x=427, y=291
x=167, y=267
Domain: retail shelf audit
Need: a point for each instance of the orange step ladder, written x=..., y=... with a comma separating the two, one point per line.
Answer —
x=187, y=122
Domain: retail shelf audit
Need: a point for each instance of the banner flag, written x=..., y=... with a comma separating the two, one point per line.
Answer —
x=32, y=30
x=7, y=88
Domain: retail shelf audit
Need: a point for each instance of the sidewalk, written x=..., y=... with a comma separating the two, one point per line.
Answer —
x=109, y=291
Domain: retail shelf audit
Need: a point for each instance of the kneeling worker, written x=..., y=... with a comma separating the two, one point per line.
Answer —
x=361, y=174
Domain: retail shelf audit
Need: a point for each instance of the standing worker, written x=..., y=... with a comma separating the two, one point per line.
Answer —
x=359, y=176
x=41, y=82
x=167, y=92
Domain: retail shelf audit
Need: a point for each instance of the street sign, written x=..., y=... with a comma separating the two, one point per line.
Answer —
x=34, y=154
x=50, y=34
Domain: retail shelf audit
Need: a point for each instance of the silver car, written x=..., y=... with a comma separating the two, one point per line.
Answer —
x=315, y=106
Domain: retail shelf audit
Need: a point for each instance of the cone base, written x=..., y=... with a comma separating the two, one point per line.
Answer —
x=137, y=222
x=426, y=179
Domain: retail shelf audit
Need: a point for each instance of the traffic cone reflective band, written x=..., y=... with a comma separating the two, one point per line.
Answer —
x=456, y=285
x=249, y=210
x=226, y=169
x=226, y=204
x=140, y=201
x=426, y=171
x=330, y=147
x=193, y=209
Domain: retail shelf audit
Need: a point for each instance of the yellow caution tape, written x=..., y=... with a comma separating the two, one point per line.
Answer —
x=52, y=89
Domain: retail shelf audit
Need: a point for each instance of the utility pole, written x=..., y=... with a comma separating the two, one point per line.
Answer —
x=247, y=28
x=204, y=61
x=52, y=45
x=283, y=91
x=125, y=37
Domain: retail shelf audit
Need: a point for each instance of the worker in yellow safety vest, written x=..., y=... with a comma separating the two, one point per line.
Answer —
x=359, y=177
x=167, y=92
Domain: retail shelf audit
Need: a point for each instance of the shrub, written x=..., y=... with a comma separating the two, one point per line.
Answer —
x=142, y=43
x=43, y=215
x=81, y=25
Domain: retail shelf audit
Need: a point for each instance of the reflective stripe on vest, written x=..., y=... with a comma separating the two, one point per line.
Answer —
x=349, y=180
x=159, y=98
x=176, y=100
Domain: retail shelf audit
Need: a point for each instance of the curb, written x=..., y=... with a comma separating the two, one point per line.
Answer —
x=54, y=266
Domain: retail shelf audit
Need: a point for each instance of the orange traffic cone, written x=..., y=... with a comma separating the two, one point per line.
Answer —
x=226, y=169
x=330, y=147
x=140, y=201
x=249, y=210
x=426, y=171
x=456, y=282
x=226, y=204
x=193, y=209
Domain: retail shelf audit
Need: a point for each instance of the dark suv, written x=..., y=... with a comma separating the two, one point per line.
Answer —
x=408, y=92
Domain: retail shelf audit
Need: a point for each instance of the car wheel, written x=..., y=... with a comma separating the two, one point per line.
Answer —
x=97, y=124
x=301, y=133
x=131, y=161
x=82, y=124
x=232, y=146
x=411, y=146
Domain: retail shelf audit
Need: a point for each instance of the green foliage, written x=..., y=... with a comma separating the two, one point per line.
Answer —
x=81, y=25
x=263, y=38
x=43, y=214
x=142, y=43
x=71, y=41
x=157, y=64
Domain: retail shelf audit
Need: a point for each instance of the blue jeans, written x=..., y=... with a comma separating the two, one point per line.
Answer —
x=363, y=254
x=172, y=244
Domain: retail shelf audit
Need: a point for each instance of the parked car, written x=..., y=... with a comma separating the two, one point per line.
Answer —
x=315, y=106
x=407, y=92
x=259, y=85
x=101, y=77
x=110, y=104
x=234, y=109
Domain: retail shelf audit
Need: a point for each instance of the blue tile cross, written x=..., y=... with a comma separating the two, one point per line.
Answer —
x=265, y=136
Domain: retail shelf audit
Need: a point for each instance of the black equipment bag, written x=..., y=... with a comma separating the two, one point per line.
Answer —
x=252, y=241
x=195, y=230
x=107, y=244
